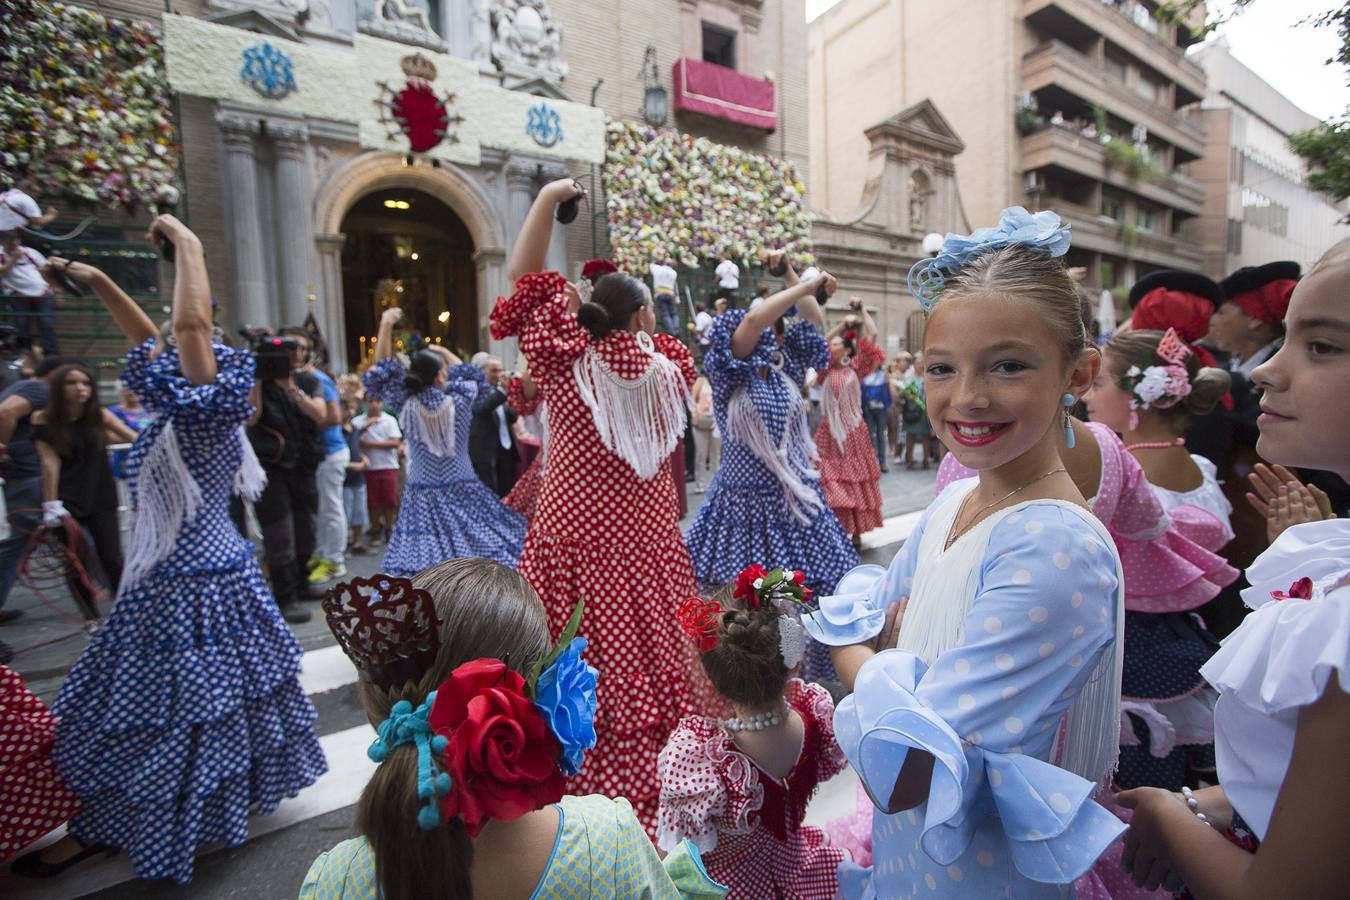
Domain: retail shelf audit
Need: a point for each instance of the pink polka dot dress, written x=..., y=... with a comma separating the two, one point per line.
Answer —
x=602, y=532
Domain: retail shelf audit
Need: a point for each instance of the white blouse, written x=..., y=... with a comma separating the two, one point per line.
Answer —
x=1279, y=661
x=1208, y=496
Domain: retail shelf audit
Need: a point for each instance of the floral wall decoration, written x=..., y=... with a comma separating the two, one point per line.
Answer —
x=84, y=106
x=697, y=200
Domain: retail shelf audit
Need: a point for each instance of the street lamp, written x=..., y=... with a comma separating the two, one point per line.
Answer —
x=654, y=97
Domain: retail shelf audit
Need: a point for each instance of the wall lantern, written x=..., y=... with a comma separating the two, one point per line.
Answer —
x=654, y=98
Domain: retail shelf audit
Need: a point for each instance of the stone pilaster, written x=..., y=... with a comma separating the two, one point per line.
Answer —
x=243, y=224
x=294, y=227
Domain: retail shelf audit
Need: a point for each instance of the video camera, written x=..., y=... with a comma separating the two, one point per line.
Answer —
x=271, y=352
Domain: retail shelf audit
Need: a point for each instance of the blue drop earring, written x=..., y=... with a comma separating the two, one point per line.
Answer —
x=1068, y=400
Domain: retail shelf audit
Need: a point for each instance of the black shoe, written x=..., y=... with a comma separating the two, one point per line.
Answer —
x=34, y=866
x=295, y=614
x=9, y=615
x=6, y=653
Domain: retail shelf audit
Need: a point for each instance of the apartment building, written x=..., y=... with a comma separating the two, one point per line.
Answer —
x=1087, y=107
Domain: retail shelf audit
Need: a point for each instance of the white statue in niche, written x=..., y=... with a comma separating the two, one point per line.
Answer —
x=919, y=189
x=525, y=37
x=401, y=11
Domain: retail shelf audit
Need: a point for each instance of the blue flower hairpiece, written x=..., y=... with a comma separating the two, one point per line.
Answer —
x=1041, y=232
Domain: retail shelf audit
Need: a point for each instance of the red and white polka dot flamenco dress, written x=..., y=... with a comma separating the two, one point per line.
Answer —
x=602, y=532
x=34, y=798
x=849, y=474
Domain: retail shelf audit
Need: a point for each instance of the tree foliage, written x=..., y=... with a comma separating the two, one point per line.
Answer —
x=1326, y=149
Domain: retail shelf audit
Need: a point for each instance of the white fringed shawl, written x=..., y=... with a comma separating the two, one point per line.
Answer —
x=639, y=420
x=1088, y=738
x=434, y=428
x=168, y=499
x=842, y=410
x=790, y=462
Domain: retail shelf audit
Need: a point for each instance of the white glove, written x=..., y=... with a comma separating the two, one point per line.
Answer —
x=53, y=511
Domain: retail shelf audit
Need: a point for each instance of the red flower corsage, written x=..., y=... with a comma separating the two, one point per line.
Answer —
x=745, y=585
x=502, y=757
x=1299, y=590
x=699, y=619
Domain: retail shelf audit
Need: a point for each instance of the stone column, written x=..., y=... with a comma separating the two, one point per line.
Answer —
x=331, y=302
x=294, y=226
x=521, y=186
x=243, y=223
x=491, y=270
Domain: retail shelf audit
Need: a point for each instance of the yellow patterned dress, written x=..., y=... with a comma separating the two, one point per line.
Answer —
x=601, y=851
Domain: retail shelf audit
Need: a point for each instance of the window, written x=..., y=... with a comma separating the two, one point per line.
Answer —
x=719, y=46
x=1260, y=211
x=1144, y=219
x=1115, y=68
x=1234, y=237
x=1112, y=208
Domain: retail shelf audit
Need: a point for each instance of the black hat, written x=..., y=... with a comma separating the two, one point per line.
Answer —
x=1177, y=280
x=1251, y=278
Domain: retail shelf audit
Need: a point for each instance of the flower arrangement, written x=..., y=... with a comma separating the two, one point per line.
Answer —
x=84, y=106
x=668, y=192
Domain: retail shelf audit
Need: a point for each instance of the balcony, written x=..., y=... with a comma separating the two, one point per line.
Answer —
x=1083, y=20
x=1056, y=64
x=1100, y=234
x=1069, y=150
x=721, y=93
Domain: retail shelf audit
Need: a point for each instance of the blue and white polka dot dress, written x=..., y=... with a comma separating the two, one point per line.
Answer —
x=185, y=711
x=745, y=518
x=999, y=821
x=446, y=511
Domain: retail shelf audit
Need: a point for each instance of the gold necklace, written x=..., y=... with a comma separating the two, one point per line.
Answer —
x=979, y=512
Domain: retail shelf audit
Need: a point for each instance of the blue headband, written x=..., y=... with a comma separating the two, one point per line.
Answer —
x=1040, y=232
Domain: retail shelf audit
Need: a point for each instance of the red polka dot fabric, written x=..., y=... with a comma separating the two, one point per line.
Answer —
x=850, y=477
x=33, y=797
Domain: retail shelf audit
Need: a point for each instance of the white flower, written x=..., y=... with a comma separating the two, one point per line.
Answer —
x=1153, y=386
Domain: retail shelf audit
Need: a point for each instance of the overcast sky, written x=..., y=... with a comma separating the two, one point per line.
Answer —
x=1268, y=40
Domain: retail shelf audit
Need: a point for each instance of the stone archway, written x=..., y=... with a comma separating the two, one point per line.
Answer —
x=376, y=171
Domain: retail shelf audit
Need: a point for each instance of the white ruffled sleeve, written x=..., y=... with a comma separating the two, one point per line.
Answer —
x=1284, y=652
x=1042, y=616
x=706, y=784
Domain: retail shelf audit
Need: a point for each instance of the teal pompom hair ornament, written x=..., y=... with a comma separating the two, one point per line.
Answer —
x=407, y=725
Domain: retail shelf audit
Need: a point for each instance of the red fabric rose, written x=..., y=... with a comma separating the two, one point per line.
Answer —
x=502, y=758
x=1299, y=590
x=745, y=585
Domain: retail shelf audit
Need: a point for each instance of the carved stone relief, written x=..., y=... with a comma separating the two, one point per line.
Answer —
x=526, y=39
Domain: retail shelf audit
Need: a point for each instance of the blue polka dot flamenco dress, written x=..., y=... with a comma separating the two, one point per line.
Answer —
x=185, y=712
x=446, y=511
x=765, y=504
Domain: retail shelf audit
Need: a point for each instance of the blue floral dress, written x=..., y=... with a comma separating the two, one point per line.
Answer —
x=1004, y=632
x=446, y=512
x=186, y=711
x=754, y=514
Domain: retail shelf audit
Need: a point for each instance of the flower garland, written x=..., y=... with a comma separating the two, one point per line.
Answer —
x=84, y=106
x=668, y=192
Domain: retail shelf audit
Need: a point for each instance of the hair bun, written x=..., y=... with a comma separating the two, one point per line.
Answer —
x=595, y=319
x=1207, y=388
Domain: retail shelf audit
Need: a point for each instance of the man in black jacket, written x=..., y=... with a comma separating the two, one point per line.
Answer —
x=284, y=431
x=492, y=443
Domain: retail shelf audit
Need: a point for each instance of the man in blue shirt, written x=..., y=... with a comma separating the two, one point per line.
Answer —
x=330, y=538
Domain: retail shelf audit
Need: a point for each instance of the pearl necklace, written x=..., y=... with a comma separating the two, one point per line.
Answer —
x=757, y=722
x=1156, y=445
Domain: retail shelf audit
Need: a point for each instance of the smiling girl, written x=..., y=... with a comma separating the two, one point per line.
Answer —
x=1283, y=717
x=990, y=647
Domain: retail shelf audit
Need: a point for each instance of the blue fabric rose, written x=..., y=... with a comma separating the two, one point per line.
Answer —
x=565, y=694
x=1040, y=231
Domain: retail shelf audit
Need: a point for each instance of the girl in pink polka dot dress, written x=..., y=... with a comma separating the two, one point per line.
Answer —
x=606, y=525
x=738, y=788
x=34, y=798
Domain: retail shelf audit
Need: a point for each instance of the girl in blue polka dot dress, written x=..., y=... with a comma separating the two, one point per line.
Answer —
x=765, y=501
x=446, y=511
x=185, y=712
x=985, y=662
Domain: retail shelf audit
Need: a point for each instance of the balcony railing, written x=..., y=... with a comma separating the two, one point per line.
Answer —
x=1093, y=231
x=1068, y=149
x=721, y=93
x=1055, y=62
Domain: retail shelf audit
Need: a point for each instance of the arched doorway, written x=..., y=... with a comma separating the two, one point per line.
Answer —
x=404, y=247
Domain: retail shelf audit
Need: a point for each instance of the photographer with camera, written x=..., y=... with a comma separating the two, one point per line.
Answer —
x=288, y=410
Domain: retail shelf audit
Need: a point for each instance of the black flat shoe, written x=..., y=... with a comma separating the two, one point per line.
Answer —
x=34, y=866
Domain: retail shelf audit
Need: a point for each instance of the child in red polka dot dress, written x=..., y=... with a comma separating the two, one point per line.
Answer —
x=34, y=798
x=738, y=788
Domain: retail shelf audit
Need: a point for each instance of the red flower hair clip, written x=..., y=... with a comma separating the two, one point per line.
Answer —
x=700, y=619
x=850, y=335
x=1299, y=590
x=746, y=587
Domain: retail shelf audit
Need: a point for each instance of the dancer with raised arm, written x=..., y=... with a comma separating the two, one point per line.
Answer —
x=606, y=526
x=185, y=713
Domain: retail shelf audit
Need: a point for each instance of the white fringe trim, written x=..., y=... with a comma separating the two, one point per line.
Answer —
x=434, y=428
x=842, y=409
x=790, y=462
x=167, y=499
x=641, y=420
x=250, y=480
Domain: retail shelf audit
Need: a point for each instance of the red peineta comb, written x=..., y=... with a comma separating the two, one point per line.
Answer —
x=700, y=619
x=387, y=627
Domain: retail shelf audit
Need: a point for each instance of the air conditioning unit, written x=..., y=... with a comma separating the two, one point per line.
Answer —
x=1032, y=182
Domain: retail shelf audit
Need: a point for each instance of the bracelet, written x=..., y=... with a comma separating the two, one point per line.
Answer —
x=1194, y=805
